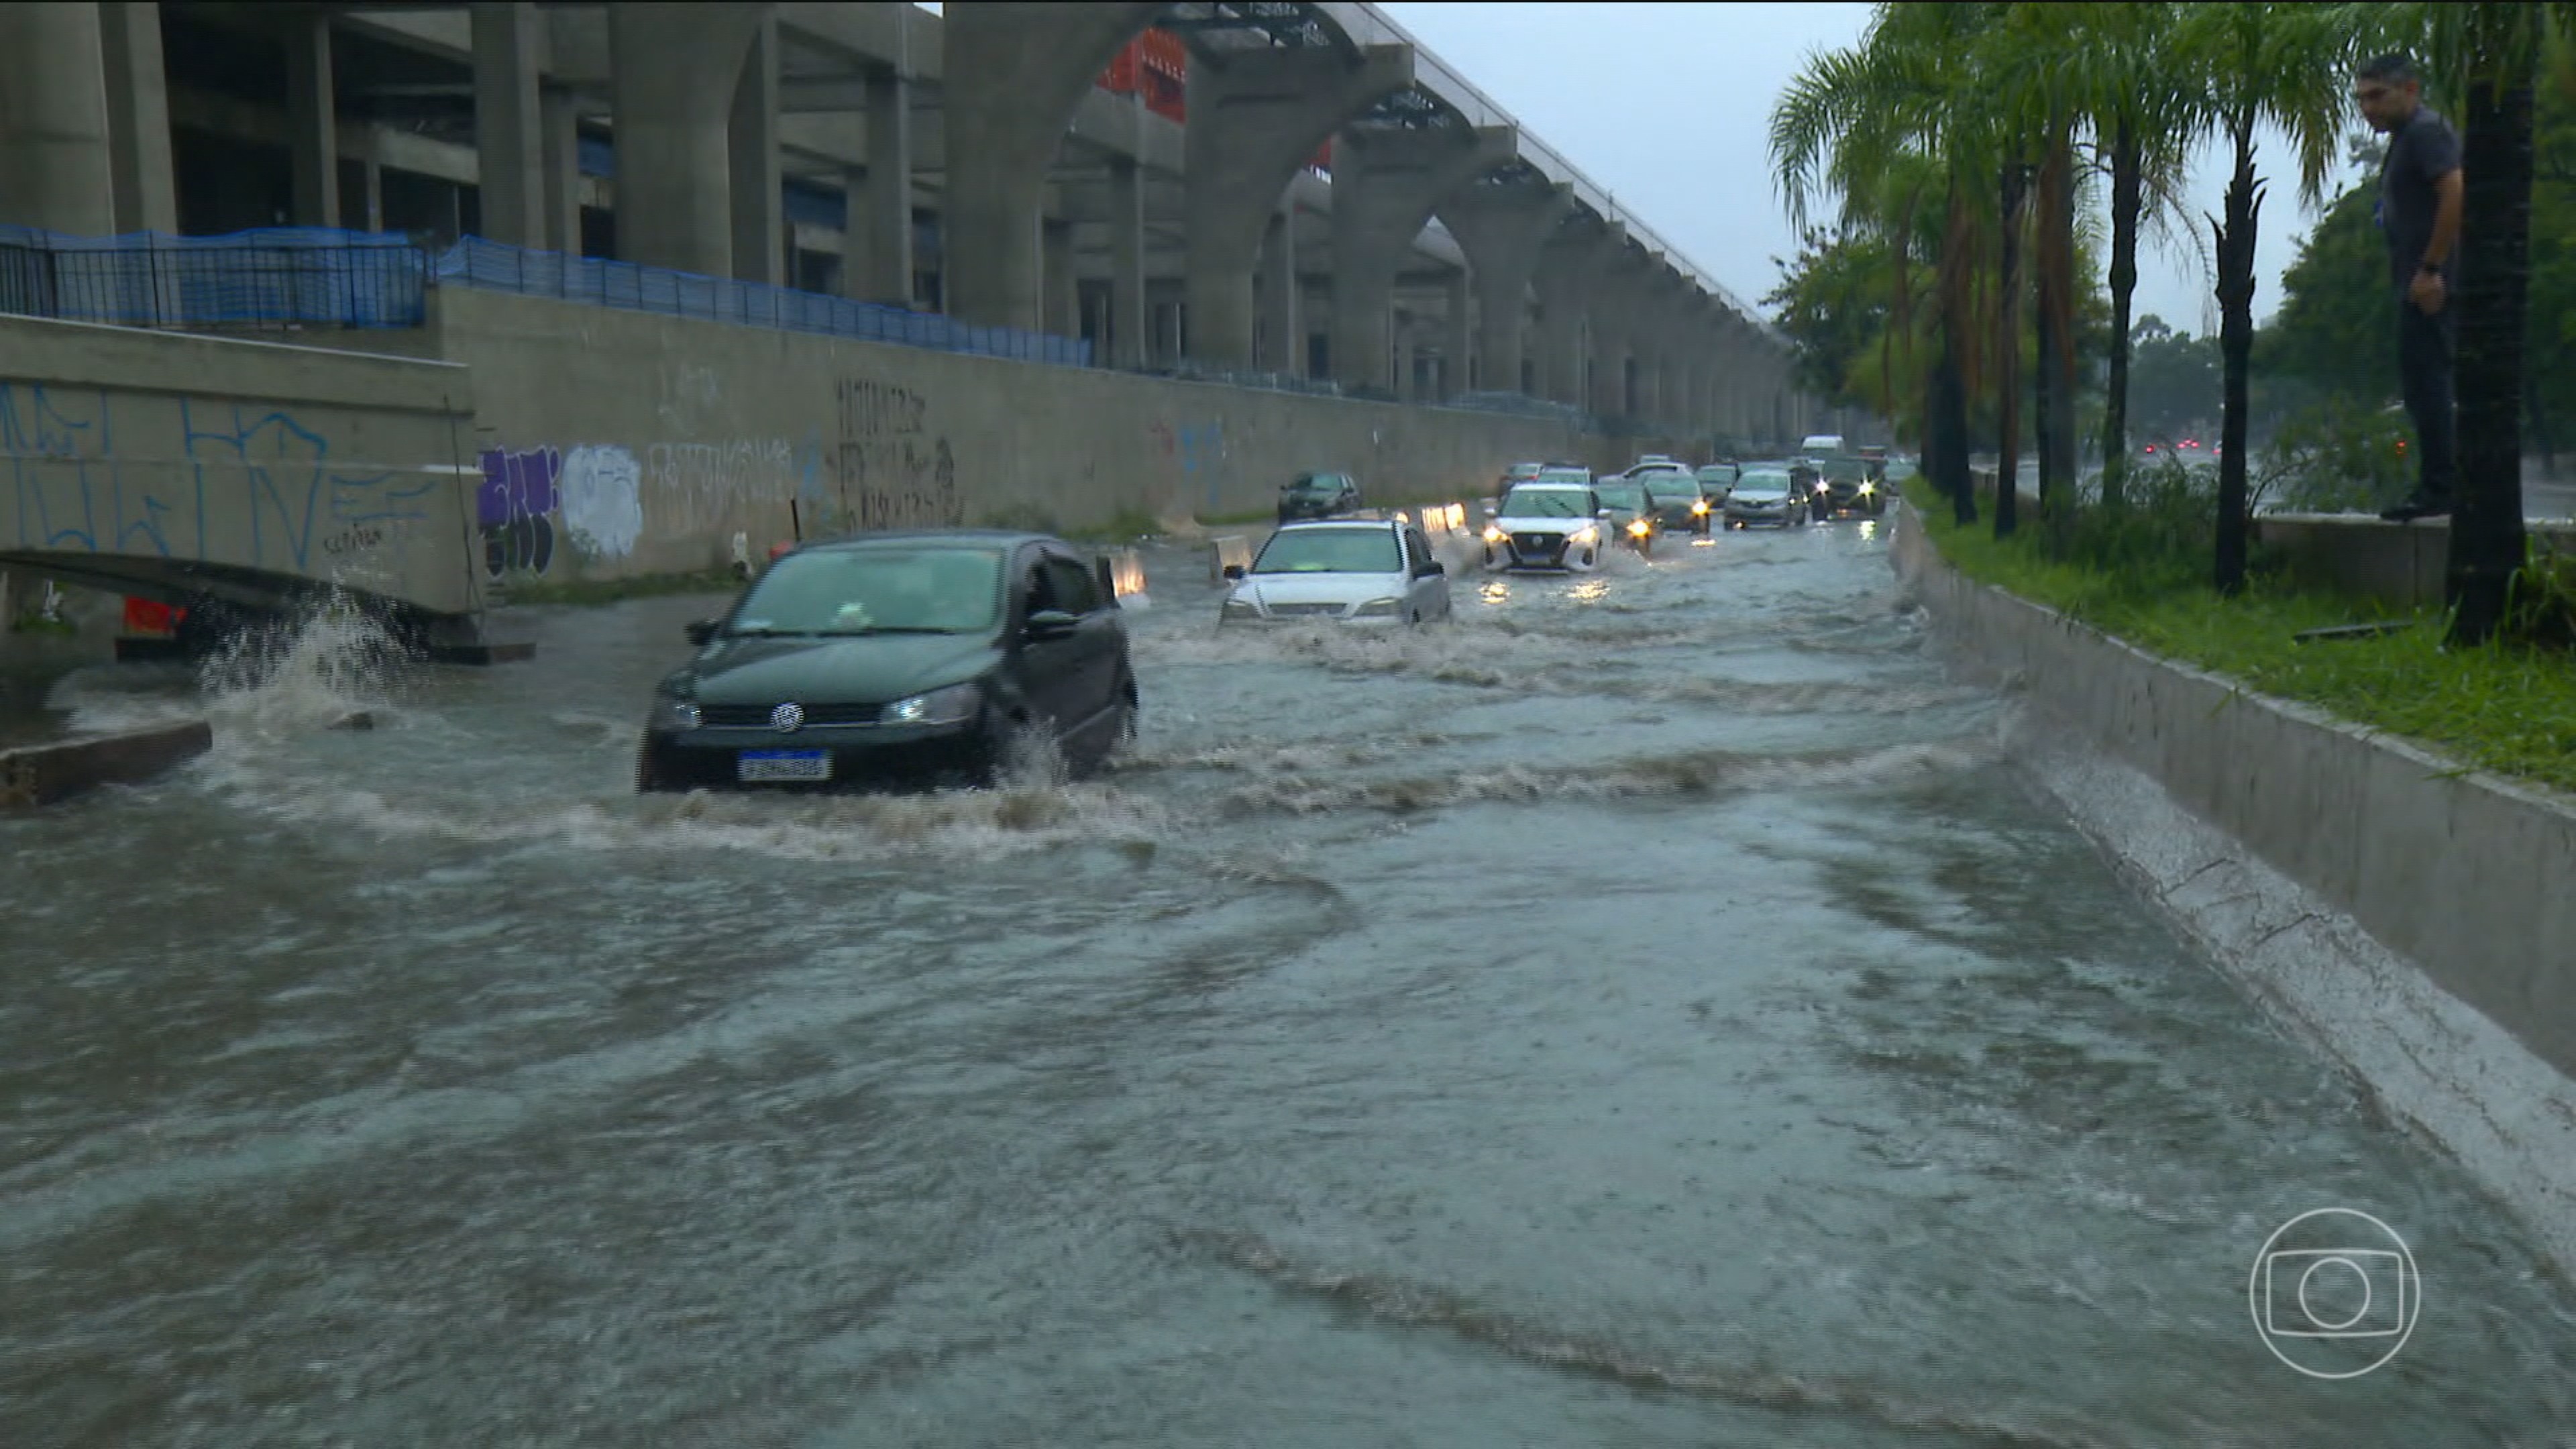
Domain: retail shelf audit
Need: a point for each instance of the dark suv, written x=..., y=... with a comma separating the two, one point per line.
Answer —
x=1846, y=482
x=903, y=658
x=1318, y=495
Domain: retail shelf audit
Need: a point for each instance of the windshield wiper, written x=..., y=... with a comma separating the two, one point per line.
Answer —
x=881, y=629
x=766, y=631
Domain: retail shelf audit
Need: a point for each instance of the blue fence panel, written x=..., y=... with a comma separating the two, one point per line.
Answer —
x=273, y=276
x=475, y=262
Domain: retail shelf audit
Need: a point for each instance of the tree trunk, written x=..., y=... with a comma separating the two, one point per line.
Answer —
x=2235, y=347
x=2008, y=359
x=2127, y=202
x=2495, y=273
x=2057, y=458
x=1946, y=399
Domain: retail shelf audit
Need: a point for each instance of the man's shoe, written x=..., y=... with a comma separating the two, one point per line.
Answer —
x=2419, y=505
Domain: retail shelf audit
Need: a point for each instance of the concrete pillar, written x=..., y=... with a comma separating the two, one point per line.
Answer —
x=1283, y=329
x=138, y=118
x=1128, y=333
x=559, y=122
x=1567, y=275
x=1456, y=339
x=1014, y=74
x=371, y=184
x=1607, y=309
x=674, y=70
x=313, y=139
x=1063, y=304
x=1253, y=124
x=1386, y=184
x=55, y=146
x=1502, y=227
x=876, y=217
x=508, y=130
x=751, y=162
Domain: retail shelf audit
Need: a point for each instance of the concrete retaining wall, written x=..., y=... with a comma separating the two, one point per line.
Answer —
x=2397, y=563
x=640, y=443
x=2465, y=875
x=156, y=461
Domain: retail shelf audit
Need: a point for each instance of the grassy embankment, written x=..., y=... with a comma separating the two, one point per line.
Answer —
x=2504, y=708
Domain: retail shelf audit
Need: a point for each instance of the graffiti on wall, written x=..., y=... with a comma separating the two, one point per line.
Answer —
x=703, y=486
x=257, y=487
x=514, y=508
x=893, y=467
x=603, y=501
x=1195, y=449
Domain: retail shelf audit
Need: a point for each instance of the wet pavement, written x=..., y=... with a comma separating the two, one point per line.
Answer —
x=1648, y=1012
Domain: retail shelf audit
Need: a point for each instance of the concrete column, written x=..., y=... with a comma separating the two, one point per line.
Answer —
x=56, y=153
x=1014, y=74
x=1253, y=124
x=877, y=215
x=508, y=135
x=138, y=118
x=559, y=124
x=1386, y=184
x=1456, y=339
x=312, y=112
x=1063, y=303
x=1502, y=228
x=751, y=163
x=1567, y=276
x=371, y=172
x=1283, y=329
x=1128, y=333
x=1607, y=310
x=674, y=70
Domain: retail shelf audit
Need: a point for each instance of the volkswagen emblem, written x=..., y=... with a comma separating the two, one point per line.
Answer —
x=787, y=717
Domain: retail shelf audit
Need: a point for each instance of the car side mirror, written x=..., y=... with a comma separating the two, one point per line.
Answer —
x=1490, y=508
x=1050, y=624
x=702, y=630
x=1434, y=569
x=1607, y=513
x=1232, y=571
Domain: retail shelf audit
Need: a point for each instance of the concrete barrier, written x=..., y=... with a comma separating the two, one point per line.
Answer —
x=43, y=774
x=2395, y=563
x=1224, y=549
x=2461, y=872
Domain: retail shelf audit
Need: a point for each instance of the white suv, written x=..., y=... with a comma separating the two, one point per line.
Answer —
x=1357, y=572
x=1546, y=525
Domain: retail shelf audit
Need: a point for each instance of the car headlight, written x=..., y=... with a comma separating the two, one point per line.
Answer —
x=1867, y=488
x=1640, y=528
x=671, y=713
x=1494, y=534
x=1375, y=609
x=955, y=704
x=1700, y=508
x=1237, y=609
x=1586, y=534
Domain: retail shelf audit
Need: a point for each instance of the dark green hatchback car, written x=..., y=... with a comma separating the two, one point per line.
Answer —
x=895, y=659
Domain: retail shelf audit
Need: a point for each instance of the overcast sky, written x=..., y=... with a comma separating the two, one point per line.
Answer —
x=1668, y=108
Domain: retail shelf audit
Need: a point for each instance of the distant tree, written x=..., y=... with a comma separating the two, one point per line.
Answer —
x=2176, y=381
x=1833, y=303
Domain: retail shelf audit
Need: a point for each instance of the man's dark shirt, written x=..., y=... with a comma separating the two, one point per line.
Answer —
x=2419, y=153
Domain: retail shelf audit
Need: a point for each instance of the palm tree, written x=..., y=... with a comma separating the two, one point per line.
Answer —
x=1849, y=124
x=2255, y=63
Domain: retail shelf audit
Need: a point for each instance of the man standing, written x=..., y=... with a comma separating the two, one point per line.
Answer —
x=2419, y=213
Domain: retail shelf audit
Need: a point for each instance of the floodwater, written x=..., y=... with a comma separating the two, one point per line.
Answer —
x=1648, y=1012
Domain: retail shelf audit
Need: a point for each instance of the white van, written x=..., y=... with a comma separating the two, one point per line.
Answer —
x=1822, y=445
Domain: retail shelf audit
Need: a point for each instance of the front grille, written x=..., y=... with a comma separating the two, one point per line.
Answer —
x=1291, y=611
x=756, y=716
x=1538, y=542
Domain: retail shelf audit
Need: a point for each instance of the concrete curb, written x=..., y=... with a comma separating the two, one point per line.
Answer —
x=44, y=774
x=2411, y=918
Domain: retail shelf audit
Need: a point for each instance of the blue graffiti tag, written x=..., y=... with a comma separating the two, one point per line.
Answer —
x=279, y=456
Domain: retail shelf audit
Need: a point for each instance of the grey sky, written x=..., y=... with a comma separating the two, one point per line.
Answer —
x=1668, y=107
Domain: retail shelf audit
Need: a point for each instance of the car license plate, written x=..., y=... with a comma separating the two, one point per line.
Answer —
x=783, y=765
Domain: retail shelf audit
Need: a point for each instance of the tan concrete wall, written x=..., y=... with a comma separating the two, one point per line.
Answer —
x=2397, y=563
x=665, y=436
x=2462, y=873
x=131, y=457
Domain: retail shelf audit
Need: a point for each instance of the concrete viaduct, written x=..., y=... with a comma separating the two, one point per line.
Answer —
x=977, y=166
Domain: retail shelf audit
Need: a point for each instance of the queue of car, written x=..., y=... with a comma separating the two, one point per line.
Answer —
x=923, y=657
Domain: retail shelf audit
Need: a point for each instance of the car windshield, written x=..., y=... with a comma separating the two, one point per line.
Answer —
x=1629, y=497
x=1845, y=470
x=1565, y=475
x=1761, y=480
x=1718, y=473
x=1318, y=483
x=1330, y=551
x=1547, y=503
x=925, y=589
x=1674, y=488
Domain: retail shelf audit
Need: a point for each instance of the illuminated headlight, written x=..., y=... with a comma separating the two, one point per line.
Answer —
x=953, y=705
x=1375, y=609
x=672, y=713
x=1867, y=488
x=1586, y=534
x=1237, y=609
x=1640, y=529
x=1700, y=509
x=1494, y=534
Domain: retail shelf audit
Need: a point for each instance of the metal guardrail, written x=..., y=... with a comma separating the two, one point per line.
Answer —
x=268, y=278
x=476, y=262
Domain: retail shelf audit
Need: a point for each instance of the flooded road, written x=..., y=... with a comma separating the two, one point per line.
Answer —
x=1649, y=1012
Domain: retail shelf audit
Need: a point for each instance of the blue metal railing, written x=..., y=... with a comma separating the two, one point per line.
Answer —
x=270, y=277
x=475, y=262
